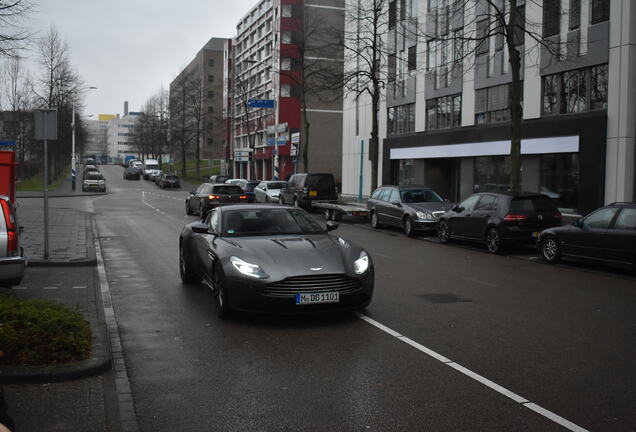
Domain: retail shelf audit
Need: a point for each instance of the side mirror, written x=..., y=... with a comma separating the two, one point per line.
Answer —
x=397, y=203
x=331, y=225
x=446, y=200
x=455, y=208
x=200, y=228
x=193, y=193
x=578, y=223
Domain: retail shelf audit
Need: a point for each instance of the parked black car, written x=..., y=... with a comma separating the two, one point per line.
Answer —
x=248, y=187
x=219, y=178
x=412, y=208
x=606, y=235
x=168, y=181
x=499, y=218
x=132, y=174
x=269, y=258
x=208, y=196
x=302, y=189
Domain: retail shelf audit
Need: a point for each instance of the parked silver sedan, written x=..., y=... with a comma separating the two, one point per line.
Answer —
x=268, y=191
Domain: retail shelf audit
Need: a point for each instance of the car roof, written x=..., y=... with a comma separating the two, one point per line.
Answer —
x=254, y=207
x=622, y=204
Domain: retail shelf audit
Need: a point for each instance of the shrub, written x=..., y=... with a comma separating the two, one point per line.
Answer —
x=41, y=332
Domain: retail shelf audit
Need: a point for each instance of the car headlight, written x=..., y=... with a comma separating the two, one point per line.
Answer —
x=424, y=215
x=248, y=269
x=361, y=265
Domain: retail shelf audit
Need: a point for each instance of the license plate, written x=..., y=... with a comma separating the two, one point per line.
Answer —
x=313, y=193
x=315, y=298
x=536, y=235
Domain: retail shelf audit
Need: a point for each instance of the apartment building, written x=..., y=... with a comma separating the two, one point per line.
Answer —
x=277, y=43
x=446, y=124
x=96, y=145
x=120, y=135
x=196, y=103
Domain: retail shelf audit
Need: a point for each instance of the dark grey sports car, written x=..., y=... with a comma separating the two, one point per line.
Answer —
x=272, y=258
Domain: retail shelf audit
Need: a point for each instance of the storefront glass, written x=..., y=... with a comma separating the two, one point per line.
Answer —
x=560, y=179
x=492, y=174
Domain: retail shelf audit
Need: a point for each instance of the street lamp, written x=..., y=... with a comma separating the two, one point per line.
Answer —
x=73, y=161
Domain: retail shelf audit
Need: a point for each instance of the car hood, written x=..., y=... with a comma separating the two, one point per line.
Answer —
x=294, y=255
x=431, y=206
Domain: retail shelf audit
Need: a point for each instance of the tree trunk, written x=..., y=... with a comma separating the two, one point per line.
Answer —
x=515, y=103
x=374, y=141
x=304, y=139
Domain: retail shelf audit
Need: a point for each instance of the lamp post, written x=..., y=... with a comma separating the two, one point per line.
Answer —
x=73, y=161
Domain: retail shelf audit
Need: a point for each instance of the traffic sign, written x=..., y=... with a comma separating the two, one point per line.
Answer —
x=260, y=103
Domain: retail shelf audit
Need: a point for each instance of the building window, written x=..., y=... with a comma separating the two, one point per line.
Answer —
x=286, y=11
x=210, y=78
x=551, y=17
x=285, y=90
x=600, y=10
x=575, y=14
x=482, y=39
x=285, y=63
x=412, y=62
x=519, y=33
x=491, y=174
x=210, y=93
x=575, y=91
x=285, y=37
x=458, y=46
x=559, y=179
x=401, y=119
x=210, y=62
x=392, y=14
x=210, y=109
x=492, y=104
x=444, y=112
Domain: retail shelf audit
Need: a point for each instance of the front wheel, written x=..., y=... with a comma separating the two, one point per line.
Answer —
x=374, y=220
x=201, y=209
x=188, y=210
x=443, y=233
x=493, y=241
x=550, y=250
x=186, y=273
x=408, y=227
x=220, y=292
x=281, y=200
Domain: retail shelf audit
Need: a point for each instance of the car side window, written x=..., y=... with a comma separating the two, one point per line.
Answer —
x=394, y=197
x=600, y=219
x=469, y=203
x=200, y=189
x=213, y=220
x=626, y=219
x=384, y=196
x=376, y=194
x=487, y=202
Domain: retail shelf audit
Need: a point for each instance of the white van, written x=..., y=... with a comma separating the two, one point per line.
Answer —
x=150, y=165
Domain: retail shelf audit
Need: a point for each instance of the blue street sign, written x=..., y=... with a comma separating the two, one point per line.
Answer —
x=7, y=143
x=260, y=103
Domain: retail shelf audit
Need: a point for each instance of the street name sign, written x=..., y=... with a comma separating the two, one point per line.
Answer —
x=260, y=103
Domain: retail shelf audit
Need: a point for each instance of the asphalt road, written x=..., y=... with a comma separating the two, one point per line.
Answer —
x=470, y=341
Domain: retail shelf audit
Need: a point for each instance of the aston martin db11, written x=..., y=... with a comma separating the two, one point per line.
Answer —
x=269, y=258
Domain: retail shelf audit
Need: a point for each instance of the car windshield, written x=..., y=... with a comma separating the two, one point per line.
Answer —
x=152, y=167
x=227, y=189
x=276, y=185
x=171, y=177
x=420, y=196
x=260, y=222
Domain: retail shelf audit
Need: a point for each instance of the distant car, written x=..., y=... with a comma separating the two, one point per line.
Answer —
x=132, y=174
x=169, y=181
x=12, y=261
x=94, y=181
x=302, y=189
x=268, y=191
x=499, y=218
x=411, y=208
x=88, y=169
x=208, y=196
x=154, y=175
x=219, y=178
x=234, y=181
x=150, y=166
x=248, y=187
x=268, y=258
x=90, y=161
x=606, y=235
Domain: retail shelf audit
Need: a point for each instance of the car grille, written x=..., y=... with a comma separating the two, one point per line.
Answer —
x=312, y=283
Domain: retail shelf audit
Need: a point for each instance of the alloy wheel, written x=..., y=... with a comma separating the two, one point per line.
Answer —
x=408, y=226
x=550, y=250
x=442, y=232
x=374, y=220
x=493, y=242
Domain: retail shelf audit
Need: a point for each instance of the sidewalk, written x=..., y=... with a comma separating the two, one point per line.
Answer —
x=78, y=396
x=65, y=190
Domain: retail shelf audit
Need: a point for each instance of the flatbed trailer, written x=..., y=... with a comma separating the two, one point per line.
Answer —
x=335, y=211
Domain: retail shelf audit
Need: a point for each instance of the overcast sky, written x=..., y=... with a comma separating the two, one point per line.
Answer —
x=129, y=48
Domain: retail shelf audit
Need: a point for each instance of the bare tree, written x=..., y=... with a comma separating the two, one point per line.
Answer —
x=366, y=29
x=195, y=111
x=506, y=22
x=13, y=37
x=178, y=119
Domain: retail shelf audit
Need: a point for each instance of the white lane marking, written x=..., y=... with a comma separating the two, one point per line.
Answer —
x=49, y=288
x=143, y=200
x=485, y=381
x=79, y=287
x=469, y=279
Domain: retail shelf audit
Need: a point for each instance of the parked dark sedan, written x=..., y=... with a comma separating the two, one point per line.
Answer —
x=169, y=181
x=411, y=208
x=208, y=196
x=268, y=258
x=499, y=218
x=605, y=235
x=132, y=174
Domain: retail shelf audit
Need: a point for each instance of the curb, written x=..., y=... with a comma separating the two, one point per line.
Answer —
x=98, y=363
x=18, y=196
